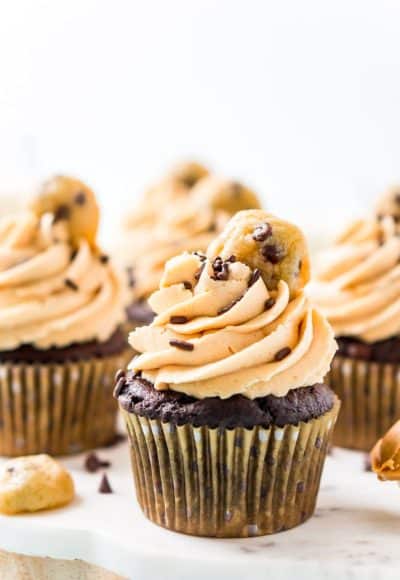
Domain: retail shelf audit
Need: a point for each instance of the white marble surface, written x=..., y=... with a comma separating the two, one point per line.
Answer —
x=354, y=533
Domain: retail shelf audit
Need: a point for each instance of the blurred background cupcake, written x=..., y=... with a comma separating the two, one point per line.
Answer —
x=184, y=211
x=358, y=288
x=61, y=311
x=228, y=417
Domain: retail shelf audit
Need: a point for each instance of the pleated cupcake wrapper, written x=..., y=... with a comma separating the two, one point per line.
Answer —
x=57, y=408
x=370, y=395
x=228, y=482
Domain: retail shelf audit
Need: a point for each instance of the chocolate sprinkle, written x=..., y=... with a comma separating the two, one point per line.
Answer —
x=272, y=253
x=104, y=259
x=71, y=284
x=105, y=486
x=283, y=353
x=254, y=277
x=187, y=285
x=200, y=255
x=62, y=213
x=93, y=463
x=228, y=306
x=80, y=198
x=269, y=303
x=182, y=344
x=220, y=269
x=262, y=232
x=178, y=319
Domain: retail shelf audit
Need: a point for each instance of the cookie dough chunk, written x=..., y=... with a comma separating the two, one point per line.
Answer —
x=223, y=194
x=71, y=200
x=34, y=483
x=188, y=173
x=262, y=241
x=389, y=204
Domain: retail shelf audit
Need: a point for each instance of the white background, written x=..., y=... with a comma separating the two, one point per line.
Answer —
x=301, y=98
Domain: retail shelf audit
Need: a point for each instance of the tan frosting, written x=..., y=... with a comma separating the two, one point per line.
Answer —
x=358, y=287
x=234, y=352
x=385, y=456
x=175, y=217
x=36, y=305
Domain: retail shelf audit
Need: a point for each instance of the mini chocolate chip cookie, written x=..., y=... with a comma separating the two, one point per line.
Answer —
x=275, y=247
x=224, y=194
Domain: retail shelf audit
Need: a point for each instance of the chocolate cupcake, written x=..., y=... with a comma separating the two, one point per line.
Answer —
x=358, y=289
x=61, y=316
x=183, y=212
x=228, y=416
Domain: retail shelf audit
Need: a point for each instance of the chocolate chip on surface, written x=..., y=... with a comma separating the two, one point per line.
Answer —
x=182, y=344
x=262, y=232
x=105, y=486
x=120, y=374
x=71, y=284
x=228, y=306
x=283, y=353
x=80, y=198
x=187, y=285
x=178, y=319
x=269, y=303
x=93, y=463
x=104, y=259
x=272, y=253
x=255, y=275
x=62, y=213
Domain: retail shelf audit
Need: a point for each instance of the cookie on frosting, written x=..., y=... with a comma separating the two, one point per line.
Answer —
x=277, y=248
x=385, y=456
x=71, y=200
x=223, y=194
x=34, y=483
x=188, y=173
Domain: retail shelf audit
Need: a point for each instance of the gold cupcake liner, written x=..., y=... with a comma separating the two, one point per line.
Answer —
x=57, y=408
x=228, y=482
x=370, y=395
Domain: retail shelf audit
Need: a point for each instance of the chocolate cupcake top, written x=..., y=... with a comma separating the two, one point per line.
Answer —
x=56, y=286
x=183, y=212
x=237, y=324
x=358, y=285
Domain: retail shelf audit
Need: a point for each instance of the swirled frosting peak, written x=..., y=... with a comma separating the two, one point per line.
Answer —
x=358, y=285
x=220, y=330
x=56, y=287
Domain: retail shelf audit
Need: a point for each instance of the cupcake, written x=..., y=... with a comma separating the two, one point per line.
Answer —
x=183, y=212
x=61, y=311
x=358, y=289
x=385, y=456
x=228, y=417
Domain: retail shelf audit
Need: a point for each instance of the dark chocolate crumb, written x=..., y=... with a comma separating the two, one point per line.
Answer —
x=105, y=486
x=71, y=284
x=178, y=319
x=104, y=259
x=187, y=285
x=269, y=303
x=254, y=277
x=93, y=463
x=262, y=232
x=131, y=277
x=272, y=253
x=228, y=306
x=62, y=213
x=182, y=344
x=220, y=269
x=231, y=259
x=80, y=198
x=283, y=353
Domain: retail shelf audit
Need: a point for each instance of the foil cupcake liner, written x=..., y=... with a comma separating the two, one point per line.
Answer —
x=370, y=396
x=57, y=408
x=228, y=482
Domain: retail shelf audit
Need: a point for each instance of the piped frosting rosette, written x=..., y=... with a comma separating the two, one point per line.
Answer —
x=358, y=287
x=56, y=287
x=238, y=323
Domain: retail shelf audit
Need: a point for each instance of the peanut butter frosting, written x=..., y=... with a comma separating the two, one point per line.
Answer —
x=358, y=287
x=56, y=287
x=223, y=327
x=183, y=212
x=385, y=456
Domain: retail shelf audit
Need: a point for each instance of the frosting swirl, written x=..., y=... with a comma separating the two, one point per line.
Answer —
x=385, y=456
x=219, y=331
x=53, y=293
x=358, y=287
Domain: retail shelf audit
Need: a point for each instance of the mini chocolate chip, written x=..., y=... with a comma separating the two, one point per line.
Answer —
x=300, y=487
x=118, y=387
x=178, y=319
x=182, y=344
x=212, y=228
x=80, y=198
x=228, y=306
x=73, y=255
x=62, y=213
x=231, y=259
x=187, y=285
x=262, y=232
x=71, y=284
x=200, y=255
x=105, y=486
x=236, y=188
x=131, y=276
x=283, y=353
x=272, y=253
x=269, y=303
x=220, y=269
x=120, y=374
x=93, y=463
x=254, y=277
x=104, y=259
